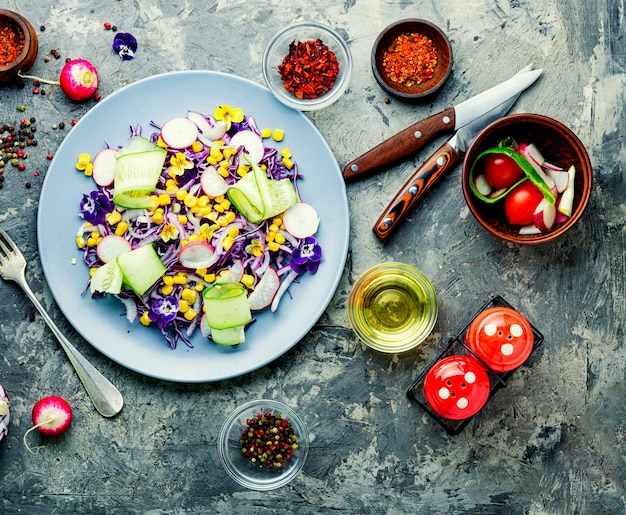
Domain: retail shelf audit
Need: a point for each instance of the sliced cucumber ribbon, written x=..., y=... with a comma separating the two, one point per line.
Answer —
x=227, y=312
x=529, y=174
x=257, y=197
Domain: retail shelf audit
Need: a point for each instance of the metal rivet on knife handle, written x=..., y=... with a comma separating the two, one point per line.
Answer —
x=398, y=147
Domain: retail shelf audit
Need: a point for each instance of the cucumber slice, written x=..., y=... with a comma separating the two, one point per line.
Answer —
x=257, y=197
x=136, y=176
x=107, y=279
x=141, y=268
x=230, y=336
x=226, y=306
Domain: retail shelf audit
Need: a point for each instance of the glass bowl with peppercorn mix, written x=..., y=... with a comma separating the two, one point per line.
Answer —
x=263, y=444
x=411, y=59
x=307, y=66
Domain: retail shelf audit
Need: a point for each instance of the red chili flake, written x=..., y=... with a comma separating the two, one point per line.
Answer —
x=410, y=59
x=11, y=42
x=310, y=69
x=107, y=25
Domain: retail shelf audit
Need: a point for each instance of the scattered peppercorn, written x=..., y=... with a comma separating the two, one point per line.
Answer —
x=114, y=28
x=310, y=69
x=28, y=185
x=97, y=97
x=107, y=25
x=42, y=28
x=74, y=121
x=386, y=100
x=269, y=440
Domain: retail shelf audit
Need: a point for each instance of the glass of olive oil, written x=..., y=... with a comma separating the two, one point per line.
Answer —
x=392, y=307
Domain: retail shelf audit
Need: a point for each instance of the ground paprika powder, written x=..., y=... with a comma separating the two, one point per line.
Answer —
x=12, y=42
x=410, y=59
x=310, y=69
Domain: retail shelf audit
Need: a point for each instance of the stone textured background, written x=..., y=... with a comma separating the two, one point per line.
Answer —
x=552, y=441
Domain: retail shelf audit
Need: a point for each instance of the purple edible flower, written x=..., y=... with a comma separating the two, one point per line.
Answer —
x=95, y=207
x=306, y=257
x=163, y=311
x=125, y=45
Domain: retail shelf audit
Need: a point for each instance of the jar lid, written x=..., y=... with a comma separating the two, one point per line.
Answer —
x=501, y=337
x=457, y=387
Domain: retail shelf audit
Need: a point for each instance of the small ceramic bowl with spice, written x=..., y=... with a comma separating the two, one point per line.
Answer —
x=307, y=66
x=412, y=59
x=18, y=45
x=263, y=444
x=527, y=179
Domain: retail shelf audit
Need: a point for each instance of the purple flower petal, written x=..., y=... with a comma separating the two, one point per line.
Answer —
x=125, y=45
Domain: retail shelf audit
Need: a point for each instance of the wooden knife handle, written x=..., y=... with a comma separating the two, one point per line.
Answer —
x=415, y=188
x=401, y=145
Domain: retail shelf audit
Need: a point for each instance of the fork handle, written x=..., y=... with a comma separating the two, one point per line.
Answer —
x=106, y=398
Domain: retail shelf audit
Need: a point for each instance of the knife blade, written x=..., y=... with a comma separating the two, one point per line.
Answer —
x=442, y=160
x=417, y=135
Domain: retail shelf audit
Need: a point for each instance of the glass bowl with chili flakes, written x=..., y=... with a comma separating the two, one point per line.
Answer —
x=307, y=66
x=411, y=59
x=263, y=444
x=19, y=45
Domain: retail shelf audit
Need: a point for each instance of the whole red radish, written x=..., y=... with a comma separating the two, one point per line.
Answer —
x=51, y=416
x=79, y=79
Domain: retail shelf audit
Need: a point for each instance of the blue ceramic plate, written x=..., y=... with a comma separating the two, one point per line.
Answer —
x=101, y=322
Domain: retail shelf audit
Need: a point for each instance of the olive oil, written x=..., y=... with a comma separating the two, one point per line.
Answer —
x=392, y=307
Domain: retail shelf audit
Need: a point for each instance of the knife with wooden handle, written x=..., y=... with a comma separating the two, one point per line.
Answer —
x=411, y=139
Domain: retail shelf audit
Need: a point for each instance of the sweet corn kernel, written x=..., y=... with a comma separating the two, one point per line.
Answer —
x=113, y=217
x=183, y=305
x=199, y=287
x=279, y=238
x=88, y=170
x=171, y=188
x=203, y=201
x=201, y=271
x=158, y=217
x=168, y=280
x=121, y=228
x=247, y=280
x=270, y=236
x=273, y=246
x=211, y=160
x=278, y=134
x=288, y=163
x=209, y=278
x=266, y=132
x=242, y=170
x=164, y=199
x=161, y=143
x=189, y=295
x=230, y=216
x=92, y=242
x=223, y=171
x=190, y=200
x=218, y=208
x=145, y=319
x=233, y=232
x=181, y=194
x=190, y=314
x=197, y=146
x=216, y=153
x=285, y=152
x=80, y=242
x=92, y=271
x=183, y=219
x=272, y=228
x=225, y=204
x=167, y=289
x=227, y=153
x=180, y=278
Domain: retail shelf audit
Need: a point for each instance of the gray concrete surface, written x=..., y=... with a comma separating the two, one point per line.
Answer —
x=553, y=441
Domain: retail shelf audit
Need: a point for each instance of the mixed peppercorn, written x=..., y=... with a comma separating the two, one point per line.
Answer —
x=269, y=440
x=410, y=59
x=310, y=69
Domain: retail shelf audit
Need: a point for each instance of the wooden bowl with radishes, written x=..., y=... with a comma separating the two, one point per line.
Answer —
x=527, y=178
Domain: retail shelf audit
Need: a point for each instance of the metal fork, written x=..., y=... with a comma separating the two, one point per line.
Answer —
x=105, y=397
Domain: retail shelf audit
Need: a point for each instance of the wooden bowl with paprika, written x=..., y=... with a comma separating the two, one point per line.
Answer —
x=412, y=59
x=18, y=45
x=516, y=211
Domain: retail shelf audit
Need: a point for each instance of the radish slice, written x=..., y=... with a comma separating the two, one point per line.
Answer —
x=201, y=122
x=179, y=133
x=213, y=184
x=112, y=246
x=483, y=187
x=196, y=254
x=264, y=291
x=560, y=178
x=205, y=328
x=233, y=274
x=528, y=230
x=301, y=220
x=252, y=145
x=104, y=167
x=566, y=203
x=544, y=215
